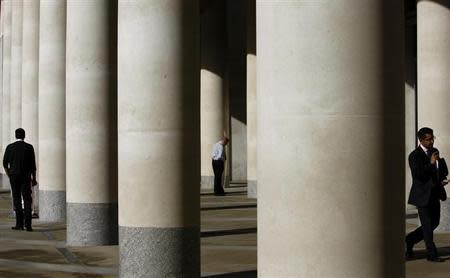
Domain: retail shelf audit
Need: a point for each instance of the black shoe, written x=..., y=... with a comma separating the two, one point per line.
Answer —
x=17, y=228
x=29, y=229
x=409, y=251
x=35, y=215
x=435, y=259
x=220, y=194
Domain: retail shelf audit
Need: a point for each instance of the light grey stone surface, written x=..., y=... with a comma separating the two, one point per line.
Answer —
x=252, y=189
x=92, y=224
x=52, y=205
x=159, y=252
x=207, y=182
x=5, y=181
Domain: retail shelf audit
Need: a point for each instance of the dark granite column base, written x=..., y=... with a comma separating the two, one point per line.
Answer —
x=159, y=252
x=252, y=189
x=52, y=206
x=92, y=224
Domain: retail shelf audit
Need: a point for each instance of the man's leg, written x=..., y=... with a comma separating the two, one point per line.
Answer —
x=425, y=215
x=26, y=195
x=17, y=202
x=218, y=171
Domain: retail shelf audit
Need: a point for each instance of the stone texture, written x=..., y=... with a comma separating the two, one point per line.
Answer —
x=92, y=224
x=6, y=75
x=52, y=100
x=433, y=82
x=53, y=206
x=330, y=103
x=16, y=67
x=159, y=252
x=207, y=182
x=252, y=189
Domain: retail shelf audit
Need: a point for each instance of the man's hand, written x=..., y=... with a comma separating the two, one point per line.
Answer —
x=434, y=157
x=444, y=182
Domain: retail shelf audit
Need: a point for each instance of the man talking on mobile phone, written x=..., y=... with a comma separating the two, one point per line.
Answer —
x=429, y=174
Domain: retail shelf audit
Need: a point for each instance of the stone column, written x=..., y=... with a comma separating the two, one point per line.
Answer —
x=6, y=80
x=2, y=15
x=52, y=111
x=236, y=59
x=30, y=65
x=90, y=120
x=212, y=87
x=330, y=138
x=16, y=66
x=159, y=138
x=251, y=99
x=433, y=71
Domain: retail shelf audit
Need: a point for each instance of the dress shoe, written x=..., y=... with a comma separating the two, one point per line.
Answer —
x=220, y=194
x=29, y=229
x=17, y=228
x=435, y=259
x=409, y=251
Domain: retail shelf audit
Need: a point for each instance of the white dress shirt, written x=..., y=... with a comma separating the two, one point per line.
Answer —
x=218, y=152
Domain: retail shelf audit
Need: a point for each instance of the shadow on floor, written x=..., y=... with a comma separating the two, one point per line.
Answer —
x=229, y=193
x=422, y=254
x=241, y=274
x=228, y=232
x=230, y=207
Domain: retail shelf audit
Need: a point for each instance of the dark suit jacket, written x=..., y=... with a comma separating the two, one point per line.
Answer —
x=426, y=178
x=19, y=159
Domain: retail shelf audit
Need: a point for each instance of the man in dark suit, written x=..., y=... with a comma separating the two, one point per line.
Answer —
x=20, y=166
x=429, y=173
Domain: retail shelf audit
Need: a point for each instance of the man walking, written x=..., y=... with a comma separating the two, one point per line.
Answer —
x=218, y=164
x=429, y=173
x=20, y=166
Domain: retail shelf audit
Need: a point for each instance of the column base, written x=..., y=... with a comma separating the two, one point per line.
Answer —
x=92, y=224
x=159, y=252
x=207, y=182
x=252, y=189
x=444, y=224
x=53, y=206
x=4, y=181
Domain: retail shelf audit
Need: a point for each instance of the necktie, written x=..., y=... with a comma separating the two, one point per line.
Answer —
x=429, y=152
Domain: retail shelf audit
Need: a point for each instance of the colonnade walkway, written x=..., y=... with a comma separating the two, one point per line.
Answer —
x=228, y=243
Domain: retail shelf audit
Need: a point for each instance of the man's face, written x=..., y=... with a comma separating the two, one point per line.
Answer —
x=428, y=141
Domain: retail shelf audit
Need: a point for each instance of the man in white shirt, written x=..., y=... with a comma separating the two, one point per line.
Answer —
x=218, y=163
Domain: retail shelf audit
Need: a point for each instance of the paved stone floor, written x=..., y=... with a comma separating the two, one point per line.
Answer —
x=228, y=245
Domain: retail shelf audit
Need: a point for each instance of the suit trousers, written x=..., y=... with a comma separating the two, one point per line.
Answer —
x=429, y=218
x=218, y=167
x=21, y=188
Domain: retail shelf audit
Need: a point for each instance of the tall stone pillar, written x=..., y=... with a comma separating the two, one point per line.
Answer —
x=330, y=138
x=159, y=138
x=30, y=65
x=212, y=83
x=6, y=80
x=433, y=71
x=16, y=66
x=236, y=59
x=91, y=155
x=52, y=111
x=2, y=15
x=251, y=99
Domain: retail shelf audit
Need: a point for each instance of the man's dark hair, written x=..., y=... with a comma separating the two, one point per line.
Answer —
x=20, y=133
x=423, y=132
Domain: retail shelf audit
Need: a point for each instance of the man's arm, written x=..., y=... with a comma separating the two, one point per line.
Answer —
x=6, y=161
x=420, y=170
x=33, y=167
